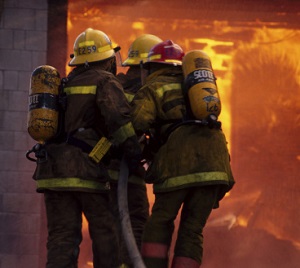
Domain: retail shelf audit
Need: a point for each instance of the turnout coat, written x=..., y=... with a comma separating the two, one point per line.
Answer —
x=192, y=154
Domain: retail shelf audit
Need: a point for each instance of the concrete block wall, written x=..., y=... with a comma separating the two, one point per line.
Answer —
x=23, y=47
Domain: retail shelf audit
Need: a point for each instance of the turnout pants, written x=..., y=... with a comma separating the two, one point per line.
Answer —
x=64, y=215
x=197, y=204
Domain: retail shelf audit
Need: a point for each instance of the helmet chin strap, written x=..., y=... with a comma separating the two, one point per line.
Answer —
x=114, y=66
x=144, y=73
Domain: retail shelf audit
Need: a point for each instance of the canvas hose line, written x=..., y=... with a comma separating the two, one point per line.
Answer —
x=132, y=248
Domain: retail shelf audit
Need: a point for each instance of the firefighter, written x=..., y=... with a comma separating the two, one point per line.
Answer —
x=73, y=176
x=191, y=168
x=138, y=204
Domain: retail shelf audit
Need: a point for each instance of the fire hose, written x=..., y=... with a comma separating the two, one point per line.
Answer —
x=132, y=248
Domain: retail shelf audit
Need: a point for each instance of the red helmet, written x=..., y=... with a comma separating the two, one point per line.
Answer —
x=166, y=52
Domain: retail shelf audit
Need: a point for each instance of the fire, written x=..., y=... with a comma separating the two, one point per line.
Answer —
x=258, y=76
x=137, y=25
x=269, y=69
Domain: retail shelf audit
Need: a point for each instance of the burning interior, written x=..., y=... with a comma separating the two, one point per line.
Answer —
x=254, y=48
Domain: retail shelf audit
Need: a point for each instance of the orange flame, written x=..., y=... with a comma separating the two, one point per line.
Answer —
x=233, y=50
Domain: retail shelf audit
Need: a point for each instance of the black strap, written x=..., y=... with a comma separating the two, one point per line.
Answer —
x=211, y=122
x=79, y=143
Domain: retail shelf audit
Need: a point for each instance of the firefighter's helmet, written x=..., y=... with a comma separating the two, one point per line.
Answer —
x=139, y=49
x=90, y=46
x=166, y=52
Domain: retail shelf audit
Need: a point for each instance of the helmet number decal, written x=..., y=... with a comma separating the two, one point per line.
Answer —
x=133, y=54
x=87, y=50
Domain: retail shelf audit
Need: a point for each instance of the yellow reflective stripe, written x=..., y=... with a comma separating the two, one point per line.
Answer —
x=123, y=133
x=131, y=61
x=129, y=96
x=174, y=61
x=160, y=91
x=86, y=43
x=155, y=57
x=114, y=174
x=144, y=55
x=56, y=183
x=105, y=48
x=197, y=178
x=81, y=90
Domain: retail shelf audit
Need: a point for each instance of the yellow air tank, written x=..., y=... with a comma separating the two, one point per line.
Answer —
x=43, y=107
x=200, y=85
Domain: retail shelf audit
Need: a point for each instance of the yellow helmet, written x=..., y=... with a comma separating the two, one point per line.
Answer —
x=90, y=46
x=140, y=48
